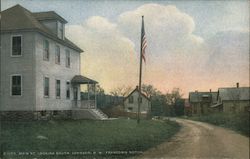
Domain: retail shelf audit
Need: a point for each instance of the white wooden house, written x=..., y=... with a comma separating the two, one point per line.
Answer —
x=131, y=102
x=40, y=68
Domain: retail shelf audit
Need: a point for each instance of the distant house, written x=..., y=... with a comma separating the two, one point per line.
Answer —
x=201, y=101
x=233, y=99
x=131, y=102
x=40, y=68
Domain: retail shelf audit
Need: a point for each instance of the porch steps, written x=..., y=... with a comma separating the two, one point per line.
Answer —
x=94, y=114
x=100, y=113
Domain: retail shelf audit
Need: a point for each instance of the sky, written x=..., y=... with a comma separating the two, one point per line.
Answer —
x=191, y=45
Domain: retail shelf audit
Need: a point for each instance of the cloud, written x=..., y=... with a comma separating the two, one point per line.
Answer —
x=167, y=27
x=176, y=57
x=173, y=49
x=108, y=54
x=228, y=55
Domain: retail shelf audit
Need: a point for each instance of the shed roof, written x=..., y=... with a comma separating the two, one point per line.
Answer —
x=50, y=15
x=17, y=18
x=216, y=105
x=241, y=93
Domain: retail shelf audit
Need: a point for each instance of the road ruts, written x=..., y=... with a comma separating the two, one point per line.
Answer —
x=197, y=140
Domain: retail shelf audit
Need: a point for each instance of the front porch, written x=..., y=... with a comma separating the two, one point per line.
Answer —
x=84, y=105
x=86, y=99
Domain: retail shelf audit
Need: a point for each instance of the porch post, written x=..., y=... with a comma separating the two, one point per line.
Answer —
x=95, y=95
x=88, y=91
x=88, y=103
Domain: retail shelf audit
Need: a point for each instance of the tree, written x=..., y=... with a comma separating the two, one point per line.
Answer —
x=100, y=96
x=171, y=99
x=99, y=90
x=121, y=91
x=179, y=107
x=149, y=90
x=157, y=105
x=157, y=99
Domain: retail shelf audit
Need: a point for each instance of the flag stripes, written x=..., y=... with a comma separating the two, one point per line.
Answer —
x=142, y=57
x=143, y=42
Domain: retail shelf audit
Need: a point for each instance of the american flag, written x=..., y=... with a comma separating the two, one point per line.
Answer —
x=143, y=41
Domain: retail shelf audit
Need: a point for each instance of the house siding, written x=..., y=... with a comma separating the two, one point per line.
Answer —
x=235, y=106
x=23, y=66
x=54, y=72
x=144, y=107
x=201, y=108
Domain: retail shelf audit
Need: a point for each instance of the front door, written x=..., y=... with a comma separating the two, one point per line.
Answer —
x=75, y=93
x=75, y=90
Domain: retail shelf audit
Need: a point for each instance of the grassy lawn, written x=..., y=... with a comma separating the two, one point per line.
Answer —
x=236, y=121
x=83, y=136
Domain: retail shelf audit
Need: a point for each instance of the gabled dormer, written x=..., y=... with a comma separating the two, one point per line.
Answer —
x=54, y=22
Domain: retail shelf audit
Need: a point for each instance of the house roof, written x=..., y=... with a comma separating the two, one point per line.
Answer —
x=17, y=18
x=197, y=96
x=241, y=93
x=79, y=79
x=50, y=15
x=136, y=89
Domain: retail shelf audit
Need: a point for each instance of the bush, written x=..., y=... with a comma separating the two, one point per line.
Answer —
x=235, y=121
x=114, y=112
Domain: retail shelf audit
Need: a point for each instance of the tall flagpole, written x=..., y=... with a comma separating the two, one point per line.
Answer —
x=140, y=74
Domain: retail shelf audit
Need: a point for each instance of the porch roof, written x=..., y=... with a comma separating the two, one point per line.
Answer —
x=79, y=79
x=216, y=105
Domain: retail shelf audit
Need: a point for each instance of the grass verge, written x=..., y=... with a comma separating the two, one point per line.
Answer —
x=82, y=138
x=235, y=121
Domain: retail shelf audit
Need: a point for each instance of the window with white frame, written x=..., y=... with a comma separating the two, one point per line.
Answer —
x=67, y=90
x=60, y=30
x=46, y=50
x=67, y=58
x=57, y=54
x=58, y=88
x=16, y=45
x=16, y=85
x=46, y=87
x=140, y=99
x=131, y=99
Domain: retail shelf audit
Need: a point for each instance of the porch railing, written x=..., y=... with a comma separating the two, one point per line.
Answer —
x=84, y=104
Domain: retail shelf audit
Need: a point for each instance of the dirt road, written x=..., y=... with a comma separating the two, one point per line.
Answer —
x=197, y=140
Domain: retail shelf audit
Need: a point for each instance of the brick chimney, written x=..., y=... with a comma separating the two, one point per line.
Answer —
x=237, y=84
